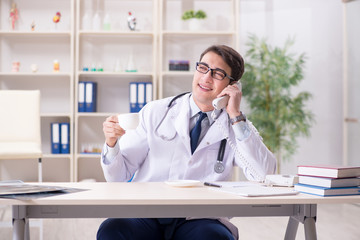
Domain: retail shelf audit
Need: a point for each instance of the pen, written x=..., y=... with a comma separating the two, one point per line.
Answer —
x=211, y=184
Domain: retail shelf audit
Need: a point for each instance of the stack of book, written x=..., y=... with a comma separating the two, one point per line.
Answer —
x=329, y=180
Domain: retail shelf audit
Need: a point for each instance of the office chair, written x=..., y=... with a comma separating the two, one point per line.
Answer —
x=20, y=132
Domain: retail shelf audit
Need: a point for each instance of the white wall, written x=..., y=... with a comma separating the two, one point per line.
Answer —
x=317, y=26
x=352, y=80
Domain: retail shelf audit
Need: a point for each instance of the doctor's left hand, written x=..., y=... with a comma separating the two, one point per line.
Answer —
x=112, y=130
x=235, y=94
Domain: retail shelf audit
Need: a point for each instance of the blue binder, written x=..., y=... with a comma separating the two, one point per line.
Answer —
x=141, y=95
x=90, y=96
x=148, y=92
x=133, y=97
x=55, y=138
x=65, y=138
x=81, y=97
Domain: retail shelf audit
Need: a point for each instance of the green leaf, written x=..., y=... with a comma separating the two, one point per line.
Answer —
x=270, y=74
x=192, y=14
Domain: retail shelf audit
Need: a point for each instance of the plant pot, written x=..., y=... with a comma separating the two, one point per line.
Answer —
x=196, y=24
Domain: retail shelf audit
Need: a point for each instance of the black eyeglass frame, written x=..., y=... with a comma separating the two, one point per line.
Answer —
x=212, y=71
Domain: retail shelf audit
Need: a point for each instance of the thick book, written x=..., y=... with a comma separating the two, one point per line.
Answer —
x=329, y=182
x=329, y=171
x=324, y=191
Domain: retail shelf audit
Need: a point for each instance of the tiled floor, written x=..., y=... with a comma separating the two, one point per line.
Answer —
x=340, y=221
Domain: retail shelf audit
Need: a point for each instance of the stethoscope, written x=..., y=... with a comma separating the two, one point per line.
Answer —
x=219, y=165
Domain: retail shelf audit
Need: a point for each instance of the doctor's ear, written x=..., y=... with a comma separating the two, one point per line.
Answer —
x=238, y=83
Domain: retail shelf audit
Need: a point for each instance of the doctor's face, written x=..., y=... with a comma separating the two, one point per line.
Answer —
x=205, y=88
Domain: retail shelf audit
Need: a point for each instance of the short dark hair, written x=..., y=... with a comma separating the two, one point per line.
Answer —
x=231, y=57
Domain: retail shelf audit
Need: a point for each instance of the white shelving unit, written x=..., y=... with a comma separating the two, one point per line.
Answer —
x=161, y=35
x=220, y=27
x=110, y=48
x=41, y=47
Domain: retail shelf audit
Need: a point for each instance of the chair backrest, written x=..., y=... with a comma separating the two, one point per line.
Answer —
x=20, y=132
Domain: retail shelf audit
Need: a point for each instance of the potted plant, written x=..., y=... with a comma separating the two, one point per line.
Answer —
x=279, y=113
x=194, y=19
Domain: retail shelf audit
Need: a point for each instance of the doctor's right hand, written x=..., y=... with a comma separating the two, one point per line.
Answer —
x=112, y=130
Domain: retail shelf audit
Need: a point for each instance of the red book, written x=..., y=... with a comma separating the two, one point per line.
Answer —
x=329, y=171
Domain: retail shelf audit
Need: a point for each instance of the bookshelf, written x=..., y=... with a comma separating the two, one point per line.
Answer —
x=37, y=49
x=160, y=36
x=111, y=46
x=175, y=35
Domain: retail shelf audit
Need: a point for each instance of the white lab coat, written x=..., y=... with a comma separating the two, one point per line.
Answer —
x=159, y=149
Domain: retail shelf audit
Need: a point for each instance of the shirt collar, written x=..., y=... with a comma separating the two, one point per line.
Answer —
x=194, y=109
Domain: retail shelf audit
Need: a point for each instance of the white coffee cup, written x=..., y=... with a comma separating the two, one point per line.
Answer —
x=128, y=120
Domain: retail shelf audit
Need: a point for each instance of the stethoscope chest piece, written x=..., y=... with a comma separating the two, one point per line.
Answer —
x=219, y=167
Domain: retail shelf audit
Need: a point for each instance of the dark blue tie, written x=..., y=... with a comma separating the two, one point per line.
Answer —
x=195, y=132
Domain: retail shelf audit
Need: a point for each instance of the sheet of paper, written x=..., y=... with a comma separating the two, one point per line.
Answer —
x=236, y=184
x=19, y=190
x=257, y=191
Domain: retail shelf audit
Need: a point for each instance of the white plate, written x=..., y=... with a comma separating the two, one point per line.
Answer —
x=184, y=183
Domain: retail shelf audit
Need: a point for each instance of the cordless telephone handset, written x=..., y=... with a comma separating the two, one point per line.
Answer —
x=221, y=102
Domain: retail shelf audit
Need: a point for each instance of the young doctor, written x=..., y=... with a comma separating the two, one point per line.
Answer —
x=178, y=138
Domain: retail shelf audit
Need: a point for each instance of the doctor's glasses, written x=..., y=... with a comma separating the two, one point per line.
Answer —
x=216, y=73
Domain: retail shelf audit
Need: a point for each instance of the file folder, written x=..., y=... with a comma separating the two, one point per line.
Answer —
x=90, y=96
x=140, y=95
x=81, y=97
x=55, y=138
x=65, y=138
x=149, y=92
x=133, y=97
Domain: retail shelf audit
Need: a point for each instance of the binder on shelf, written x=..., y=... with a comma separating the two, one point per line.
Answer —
x=149, y=92
x=90, y=96
x=65, y=138
x=81, y=93
x=141, y=95
x=133, y=97
x=55, y=138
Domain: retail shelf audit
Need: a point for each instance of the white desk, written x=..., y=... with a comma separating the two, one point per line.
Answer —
x=124, y=200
